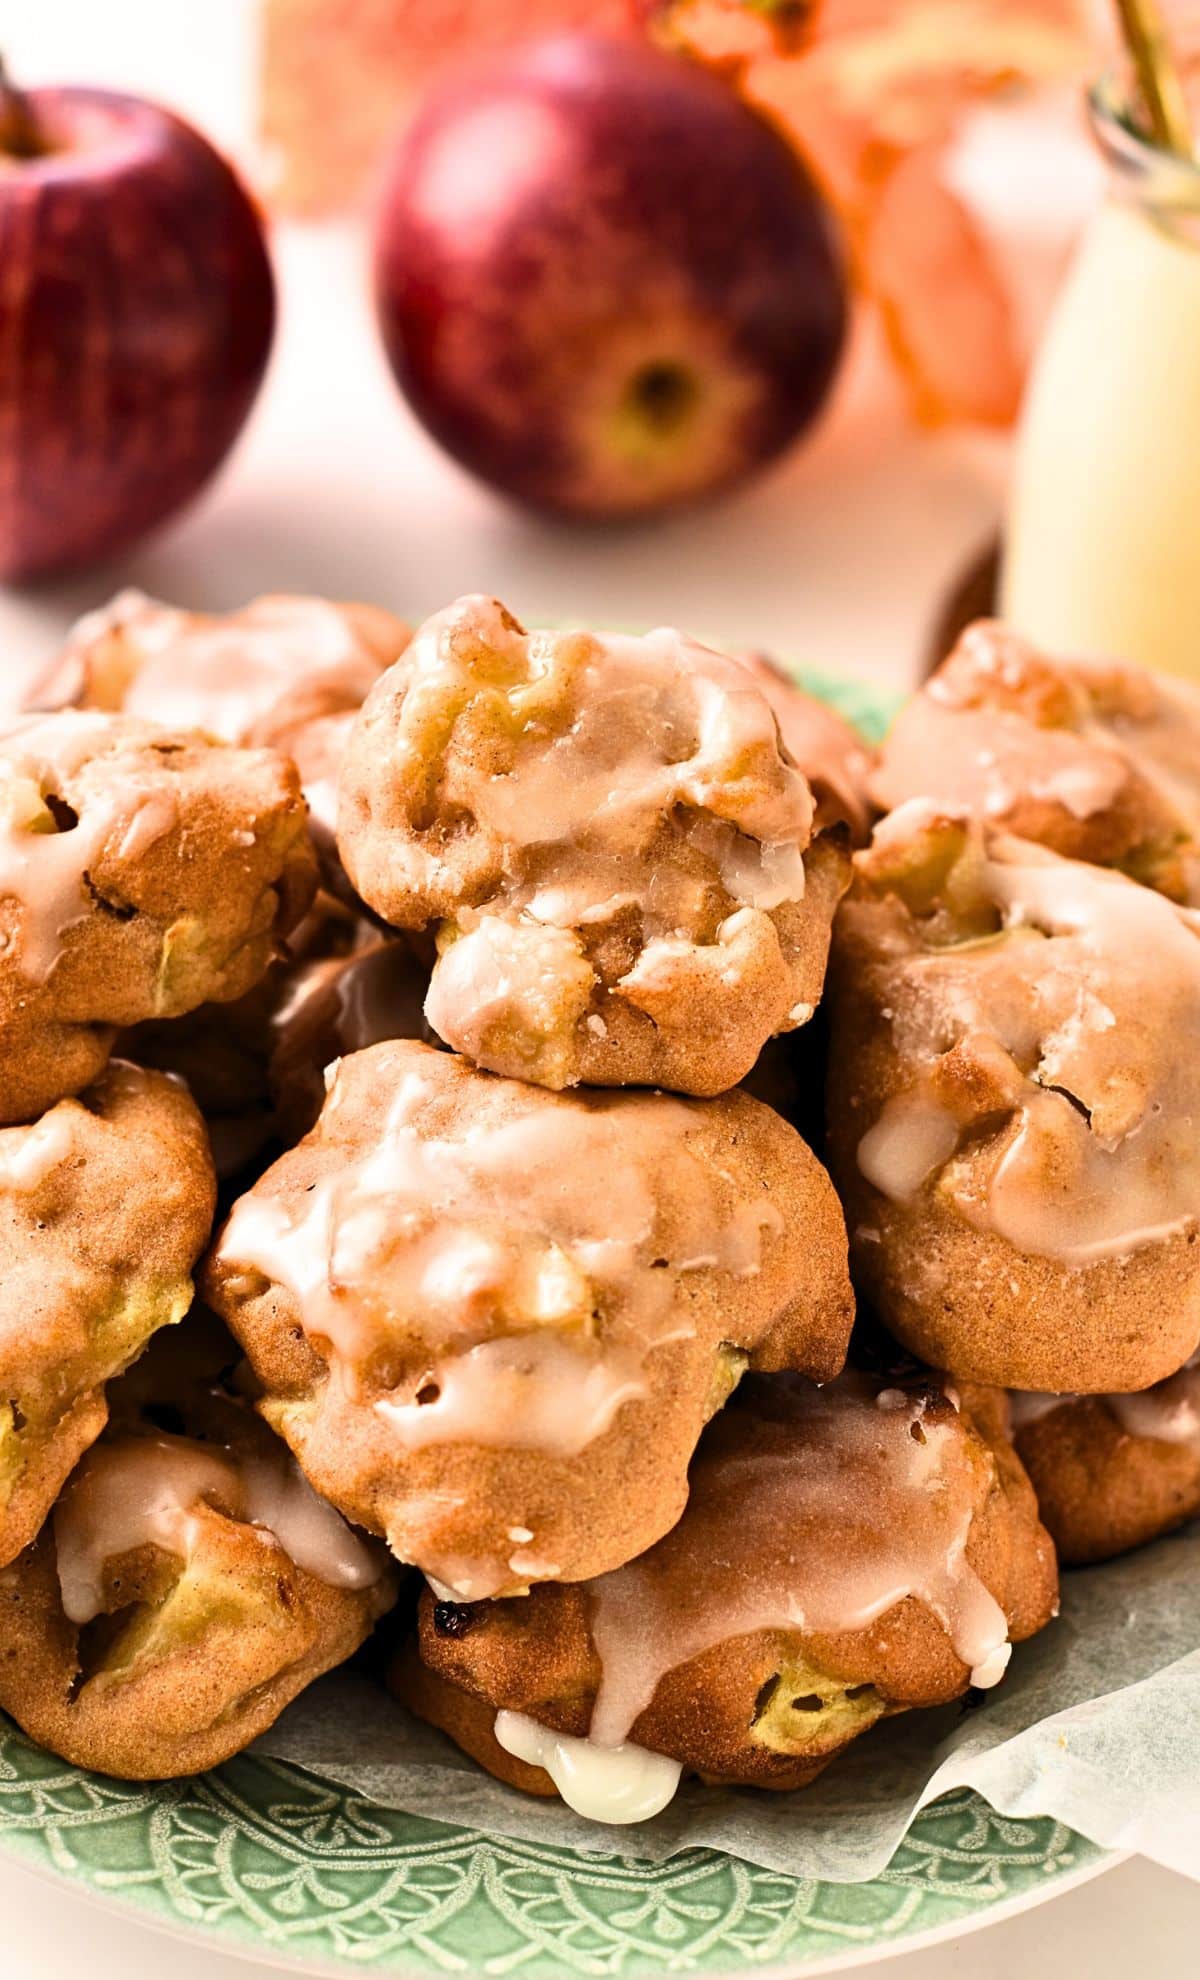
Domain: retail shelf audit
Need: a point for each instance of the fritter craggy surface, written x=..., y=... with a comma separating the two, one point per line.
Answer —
x=105, y=1204
x=141, y=873
x=613, y=849
x=1112, y=1472
x=1014, y=1081
x=845, y=1553
x=491, y=1321
x=833, y=756
x=286, y=672
x=252, y=676
x=187, y=1587
x=1098, y=761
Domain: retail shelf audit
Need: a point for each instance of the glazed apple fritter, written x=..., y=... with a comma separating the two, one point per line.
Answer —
x=491, y=1321
x=606, y=836
x=845, y=1553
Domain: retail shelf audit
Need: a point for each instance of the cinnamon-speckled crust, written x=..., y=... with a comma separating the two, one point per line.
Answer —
x=105, y=1205
x=189, y=1660
x=838, y=764
x=955, y=1291
x=160, y=875
x=284, y=672
x=253, y=676
x=452, y=1507
x=611, y=937
x=728, y=1714
x=1100, y=1490
x=1096, y=760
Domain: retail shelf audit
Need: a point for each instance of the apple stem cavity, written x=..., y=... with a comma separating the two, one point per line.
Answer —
x=663, y=395
x=19, y=133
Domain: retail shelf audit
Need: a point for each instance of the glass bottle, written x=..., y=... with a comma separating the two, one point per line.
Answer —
x=1103, y=541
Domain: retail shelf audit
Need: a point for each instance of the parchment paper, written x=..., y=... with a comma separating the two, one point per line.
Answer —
x=1096, y=1723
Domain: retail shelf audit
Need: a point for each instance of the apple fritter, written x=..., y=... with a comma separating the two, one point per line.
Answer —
x=1112, y=1472
x=1014, y=1082
x=846, y=1553
x=105, y=1205
x=142, y=873
x=615, y=853
x=284, y=672
x=1097, y=760
x=249, y=677
x=189, y=1584
x=491, y=1321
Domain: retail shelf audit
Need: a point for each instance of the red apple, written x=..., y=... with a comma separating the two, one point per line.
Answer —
x=136, y=313
x=605, y=284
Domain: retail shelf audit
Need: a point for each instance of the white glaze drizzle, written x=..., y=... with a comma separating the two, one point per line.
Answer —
x=610, y=740
x=132, y=1492
x=817, y=1511
x=43, y=867
x=615, y=1784
x=1029, y=1406
x=911, y=1139
x=1168, y=1413
x=511, y=1259
x=515, y=1381
x=1086, y=1010
x=30, y=1155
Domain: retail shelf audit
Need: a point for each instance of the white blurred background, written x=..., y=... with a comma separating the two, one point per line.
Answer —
x=840, y=557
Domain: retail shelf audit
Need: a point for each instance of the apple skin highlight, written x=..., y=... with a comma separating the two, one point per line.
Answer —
x=137, y=310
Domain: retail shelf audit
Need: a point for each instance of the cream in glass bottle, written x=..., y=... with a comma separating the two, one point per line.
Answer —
x=1103, y=542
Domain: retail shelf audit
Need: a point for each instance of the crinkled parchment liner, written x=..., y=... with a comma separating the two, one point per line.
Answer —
x=1097, y=1723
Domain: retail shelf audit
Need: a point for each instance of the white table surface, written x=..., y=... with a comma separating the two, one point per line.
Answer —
x=840, y=557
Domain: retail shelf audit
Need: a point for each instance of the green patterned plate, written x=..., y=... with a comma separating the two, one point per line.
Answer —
x=264, y=1859
x=267, y=1860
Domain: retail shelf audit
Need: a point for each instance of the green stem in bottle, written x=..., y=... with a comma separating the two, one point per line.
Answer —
x=1157, y=74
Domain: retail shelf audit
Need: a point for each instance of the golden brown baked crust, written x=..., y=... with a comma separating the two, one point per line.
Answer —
x=838, y=764
x=611, y=845
x=199, y=1637
x=105, y=1204
x=1010, y=1087
x=1107, y=1477
x=1098, y=761
x=767, y=1708
x=253, y=676
x=141, y=873
x=536, y=1301
x=284, y=672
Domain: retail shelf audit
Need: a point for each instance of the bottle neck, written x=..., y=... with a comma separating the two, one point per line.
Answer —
x=1161, y=185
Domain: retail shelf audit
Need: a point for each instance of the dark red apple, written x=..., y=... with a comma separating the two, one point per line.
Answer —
x=604, y=283
x=136, y=313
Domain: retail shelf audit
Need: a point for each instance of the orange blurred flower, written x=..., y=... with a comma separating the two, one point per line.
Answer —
x=873, y=93
x=337, y=76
